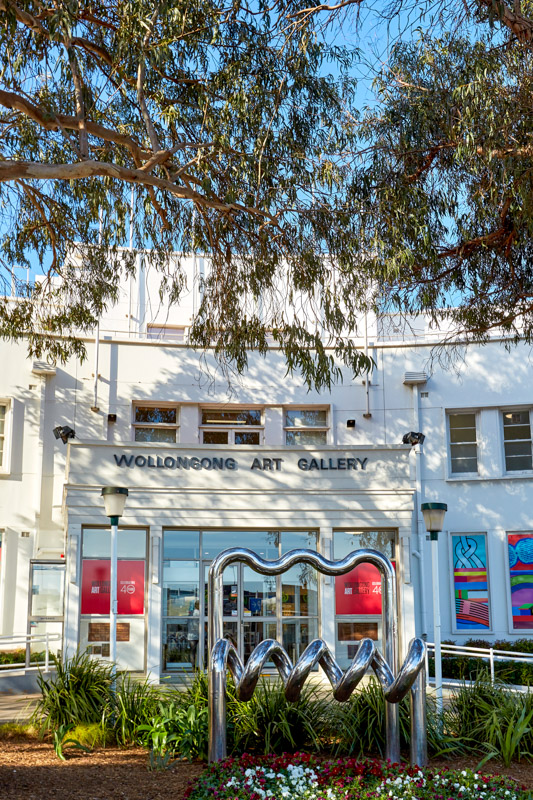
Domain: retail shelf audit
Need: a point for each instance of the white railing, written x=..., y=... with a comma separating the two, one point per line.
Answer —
x=489, y=654
x=26, y=641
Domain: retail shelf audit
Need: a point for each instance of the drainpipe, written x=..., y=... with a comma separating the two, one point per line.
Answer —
x=367, y=414
x=415, y=380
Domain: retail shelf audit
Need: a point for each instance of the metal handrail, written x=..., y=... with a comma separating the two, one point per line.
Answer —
x=27, y=639
x=490, y=653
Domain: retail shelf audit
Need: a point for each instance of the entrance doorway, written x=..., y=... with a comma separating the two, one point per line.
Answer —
x=255, y=607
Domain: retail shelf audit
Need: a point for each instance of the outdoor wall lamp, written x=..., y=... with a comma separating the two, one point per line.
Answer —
x=114, y=503
x=64, y=433
x=413, y=438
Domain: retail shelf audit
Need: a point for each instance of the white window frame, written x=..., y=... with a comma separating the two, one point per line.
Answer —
x=515, y=409
x=231, y=428
x=159, y=425
x=301, y=429
x=451, y=413
x=5, y=468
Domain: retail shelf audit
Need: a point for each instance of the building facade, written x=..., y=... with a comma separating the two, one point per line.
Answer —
x=267, y=465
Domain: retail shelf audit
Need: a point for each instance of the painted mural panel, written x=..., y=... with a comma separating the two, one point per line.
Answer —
x=521, y=577
x=470, y=579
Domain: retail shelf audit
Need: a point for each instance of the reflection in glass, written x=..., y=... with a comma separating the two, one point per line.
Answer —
x=131, y=543
x=47, y=590
x=181, y=544
x=155, y=415
x=299, y=591
x=167, y=435
x=180, y=645
x=297, y=635
x=180, y=590
x=265, y=543
x=230, y=578
x=294, y=540
x=259, y=594
x=345, y=542
x=349, y=634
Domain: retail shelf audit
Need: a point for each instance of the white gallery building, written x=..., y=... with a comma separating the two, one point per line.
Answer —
x=269, y=466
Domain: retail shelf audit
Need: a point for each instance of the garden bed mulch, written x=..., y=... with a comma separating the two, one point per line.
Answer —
x=30, y=770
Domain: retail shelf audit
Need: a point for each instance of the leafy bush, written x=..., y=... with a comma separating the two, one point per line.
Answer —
x=358, y=726
x=134, y=705
x=19, y=657
x=492, y=719
x=468, y=668
x=268, y=723
x=78, y=692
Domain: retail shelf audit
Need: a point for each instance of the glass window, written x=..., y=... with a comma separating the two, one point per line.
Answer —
x=47, y=590
x=155, y=423
x=131, y=543
x=358, y=604
x=296, y=540
x=306, y=426
x=237, y=417
x=3, y=413
x=232, y=426
x=463, y=443
x=265, y=543
x=345, y=542
x=181, y=544
x=517, y=440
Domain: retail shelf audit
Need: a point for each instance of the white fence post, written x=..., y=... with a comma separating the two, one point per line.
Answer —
x=491, y=657
x=46, y=653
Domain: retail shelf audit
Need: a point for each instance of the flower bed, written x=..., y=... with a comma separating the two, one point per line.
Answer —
x=303, y=777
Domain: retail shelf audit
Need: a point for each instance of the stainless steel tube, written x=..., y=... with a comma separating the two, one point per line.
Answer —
x=223, y=655
x=419, y=746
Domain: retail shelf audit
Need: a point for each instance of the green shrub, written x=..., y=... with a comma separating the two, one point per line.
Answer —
x=358, y=726
x=468, y=668
x=268, y=723
x=135, y=704
x=78, y=692
x=492, y=719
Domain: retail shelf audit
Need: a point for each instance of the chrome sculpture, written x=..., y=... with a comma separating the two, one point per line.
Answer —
x=224, y=656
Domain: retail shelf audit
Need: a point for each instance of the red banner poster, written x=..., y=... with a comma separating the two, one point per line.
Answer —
x=359, y=591
x=95, y=586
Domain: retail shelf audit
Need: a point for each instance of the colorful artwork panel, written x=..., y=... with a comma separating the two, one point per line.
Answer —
x=520, y=548
x=470, y=582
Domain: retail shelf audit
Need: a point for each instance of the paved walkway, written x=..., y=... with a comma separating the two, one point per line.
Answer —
x=16, y=707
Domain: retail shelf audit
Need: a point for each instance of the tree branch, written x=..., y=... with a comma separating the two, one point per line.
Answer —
x=521, y=26
x=13, y=170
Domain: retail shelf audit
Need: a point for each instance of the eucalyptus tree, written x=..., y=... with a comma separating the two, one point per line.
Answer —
x=234, y=130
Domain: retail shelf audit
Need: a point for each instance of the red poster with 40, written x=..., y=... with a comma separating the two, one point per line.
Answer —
x=95, y=587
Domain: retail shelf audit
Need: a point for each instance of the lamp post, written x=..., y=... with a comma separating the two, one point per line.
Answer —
x=114, y=502
x=434, y=521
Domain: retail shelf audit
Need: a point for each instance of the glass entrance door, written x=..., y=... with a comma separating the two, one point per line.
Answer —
x=255, y=607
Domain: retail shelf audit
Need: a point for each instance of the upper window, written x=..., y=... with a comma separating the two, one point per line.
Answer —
x=3, y=414
x=155, y=423
x=235, y=426
x=517, y=440
x=306, y=426
x=4, y=435
x=463, y=443
x=167, y=333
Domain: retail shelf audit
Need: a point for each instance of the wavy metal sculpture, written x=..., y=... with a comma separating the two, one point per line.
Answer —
x=224, y=656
